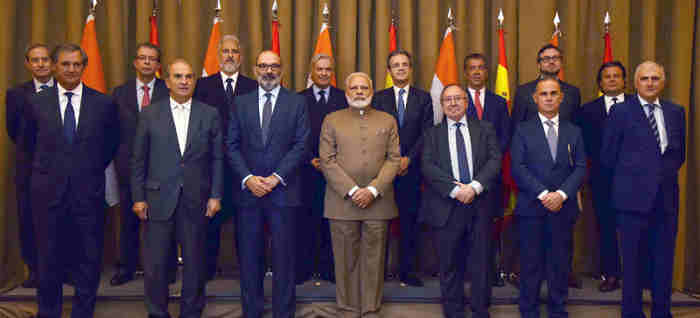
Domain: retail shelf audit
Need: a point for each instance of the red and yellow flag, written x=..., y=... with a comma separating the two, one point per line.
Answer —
x=153, y=37
x=93, y=76
x=275, y=30
x=445, y=72
x=503, y=90
x=607, y=55
x=211, y=61
x=392, y=47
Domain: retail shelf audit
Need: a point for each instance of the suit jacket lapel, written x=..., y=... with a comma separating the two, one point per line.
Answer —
x=131, y=91
x=254, y=115
x=392, y=109
x=160, y=90
x=444, y=146
x=193, y=127
x=168, y=121
x=54, y=109
x=85, y=113
x=541, y=137
x=563, y=144
x=474, y=136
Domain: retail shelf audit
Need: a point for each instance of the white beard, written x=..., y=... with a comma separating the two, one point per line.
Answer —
x=229, y=68
x=359, y=104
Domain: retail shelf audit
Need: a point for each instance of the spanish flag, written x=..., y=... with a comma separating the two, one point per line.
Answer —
x=153, y=37
x=445, y=72
x=392, y=48
x=607, y=57
x=503, y=90
x=211, y=62
x=275, y=30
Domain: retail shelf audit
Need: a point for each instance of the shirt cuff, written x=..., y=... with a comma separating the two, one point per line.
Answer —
x=374, y=191
x=352, y=191
x=453, y=193
x=478, y=188
x=563, y=194
x=244, y=180
x=280, y=178
x=542, y=194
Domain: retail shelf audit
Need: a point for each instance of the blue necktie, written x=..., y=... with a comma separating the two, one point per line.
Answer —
x=322, y=97
x=229, y=90
x=69, y=120
x=401, y=107
x=43, y=87
x=462, y=158
x=652, y=123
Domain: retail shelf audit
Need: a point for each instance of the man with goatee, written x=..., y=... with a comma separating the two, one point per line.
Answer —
x=360, y=157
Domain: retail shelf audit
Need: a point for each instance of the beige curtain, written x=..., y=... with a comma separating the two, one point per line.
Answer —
x=662, y=30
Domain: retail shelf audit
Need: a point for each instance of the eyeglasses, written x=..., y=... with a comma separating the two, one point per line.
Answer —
x=274, y=67
x=143, y=58
x=232, y=51
x=548, y=59
x=452, y=99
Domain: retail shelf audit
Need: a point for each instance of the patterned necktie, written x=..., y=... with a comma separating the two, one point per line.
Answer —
x=614, y=102
x=401, y=107
x=146, y=99
x=229, y=90
x=652, y=122
x=477, y=104
x=69, y=120
x=552, y=139
x=267, y=114
x=322, y=97
x=462, y=159
x=43, y=87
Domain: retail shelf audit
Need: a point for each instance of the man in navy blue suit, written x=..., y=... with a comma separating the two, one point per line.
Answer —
x=643, y=148
x=219, y=90
x=322, y=98
x=592, y=118
x=485, y=105
x=549, y=164
x=266, y=147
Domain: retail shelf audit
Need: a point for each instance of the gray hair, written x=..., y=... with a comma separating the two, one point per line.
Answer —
x=361, y=74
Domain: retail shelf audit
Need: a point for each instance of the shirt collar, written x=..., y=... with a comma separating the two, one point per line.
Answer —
x=318, y=89
x=620, y=98
x=472, y=91
x=406, y=88
x=77, y=91
x=224, y=77
x=643, y=102
x=186, y=105
x=451, y=123
x=38, y=84
x=275, y=91
x=543, y=119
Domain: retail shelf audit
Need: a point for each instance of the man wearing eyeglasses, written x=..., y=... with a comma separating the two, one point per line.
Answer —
x=132, y=97
x=219, y=90
x=461, y=162
x=267, y=146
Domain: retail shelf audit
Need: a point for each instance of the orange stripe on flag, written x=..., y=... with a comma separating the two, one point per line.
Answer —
x=211, y=62
x=445, y=73
x=93, y=76
x=323, y=45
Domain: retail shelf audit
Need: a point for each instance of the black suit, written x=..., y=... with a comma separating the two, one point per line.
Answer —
x=126, y=98
x=418, y=117
x=312, y=227
x=524, y=107
x=211, y=91
x=15, y=101
x=176, y=187
x=282, y=153
x=545, y=237
x=68, y=188
x=459, y=227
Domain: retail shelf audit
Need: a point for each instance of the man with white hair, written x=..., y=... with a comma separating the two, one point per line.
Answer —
x=219, y=90
x=360, y=157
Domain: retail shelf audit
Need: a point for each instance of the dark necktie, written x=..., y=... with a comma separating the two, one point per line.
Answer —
x=69, y=120
x=462, y=158
x=43, y=87
x=614, y=102
x=267, y=114
x=229, y=90
x=322, y=97
x=401, y=107
x=552, y=139
x=652, y=123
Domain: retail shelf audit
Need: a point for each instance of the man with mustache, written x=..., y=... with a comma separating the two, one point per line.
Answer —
x=360, y=157
x=219, y=90
x=266, y=147
x=322, y=98
x=412, y=108
x=38, y=63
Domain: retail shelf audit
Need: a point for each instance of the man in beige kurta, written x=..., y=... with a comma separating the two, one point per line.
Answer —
x=360, y=156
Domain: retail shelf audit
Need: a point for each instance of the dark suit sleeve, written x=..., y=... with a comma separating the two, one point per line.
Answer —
x=578, y=153
x=293, y=158
x=139, y=158
x=14, y=105
x=436, y=178
x=525, y=181
x=503, y=125
x=28, y=126
x=111, y=143
x=612, y=137
x=232, y=144
x=426, y=106
x=519, y=112
x=489, y=172
x=217, y=146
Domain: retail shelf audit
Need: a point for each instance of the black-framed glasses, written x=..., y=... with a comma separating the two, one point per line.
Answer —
x=144, y=58
x=548, y=59
x=452, y=99
x=264, y=66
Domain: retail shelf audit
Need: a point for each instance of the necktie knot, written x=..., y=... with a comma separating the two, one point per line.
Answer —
x=477, y=93
x=650, y=107
x=549, y=123
x=145, y=88
x=614, y=100
x=268, y=95
x=458, y=124
x=322, y=96
x=44, y=86
x=229, y=81
x=401, y=92
x=69, y=95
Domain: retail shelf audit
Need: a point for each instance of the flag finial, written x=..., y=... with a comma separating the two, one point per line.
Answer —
x=326, y=13
x=500, y=18
x=557, y=21
x=275, y=17
x=451, y=21
x=155, y=8
x=93, y=4
x=606, y=21
x=218, y=5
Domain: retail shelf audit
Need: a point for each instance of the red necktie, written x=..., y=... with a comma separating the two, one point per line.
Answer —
x=477, y=104
x=146, y=100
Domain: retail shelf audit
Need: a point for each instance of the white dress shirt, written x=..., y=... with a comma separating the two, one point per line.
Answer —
x=660, y=123
x=405, y=96
x=482, y=98
x=225, y=77
x=454, y=159
x=181, y=118
x=74, y=101
x=37, y=84
x=609, y=101
x=317, y=89
x=139, y=91
x=554, y=119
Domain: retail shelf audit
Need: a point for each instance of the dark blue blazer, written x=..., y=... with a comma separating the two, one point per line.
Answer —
x=79, y=169
x=632, y=156
x=211, y=91
x=534, y=170
x=15, y=102
x=316, y=113
x=283, y=153
x=524, y=107
x=495, y=112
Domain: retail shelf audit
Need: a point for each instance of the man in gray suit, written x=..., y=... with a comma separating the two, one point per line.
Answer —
x=177, y=175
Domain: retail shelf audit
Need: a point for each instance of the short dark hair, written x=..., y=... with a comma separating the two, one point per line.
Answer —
x=68, y=48
x=35, y=46
x=149, y=46
x=611, y=64
x=476, y=56
x=398, y=52
x=547, y=47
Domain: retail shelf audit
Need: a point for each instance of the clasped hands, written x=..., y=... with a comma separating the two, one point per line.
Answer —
x=261, y=186
x=362, y=198
x=141, y=208
x=465, y=193
x=552, y=201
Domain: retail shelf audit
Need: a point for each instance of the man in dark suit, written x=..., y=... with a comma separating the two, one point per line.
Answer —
x=177, y=173
x=219, y=90
x=549, y=61
x=38, y=63
x=73, y=133
x=132, y=97
x=643, y=148
x=412, y=108
x=549, y=164
x=316, y=256
x=461, y=163
x=485, y=105
x=592, y=118
x=266, y=147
